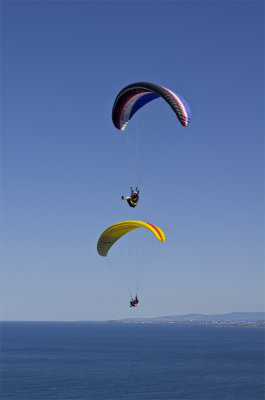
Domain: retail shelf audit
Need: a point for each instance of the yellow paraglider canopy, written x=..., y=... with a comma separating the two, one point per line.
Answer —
x=116, y=231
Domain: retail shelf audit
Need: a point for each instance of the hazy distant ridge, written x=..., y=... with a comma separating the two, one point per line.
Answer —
x=233, y=317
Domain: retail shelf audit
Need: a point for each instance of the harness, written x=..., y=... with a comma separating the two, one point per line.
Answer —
x=132, y=203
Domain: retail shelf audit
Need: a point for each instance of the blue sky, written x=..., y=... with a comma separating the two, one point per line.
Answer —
x=63, y=63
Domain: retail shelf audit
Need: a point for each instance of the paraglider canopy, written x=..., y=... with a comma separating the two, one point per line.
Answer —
x=135, y=96
x=116, y=231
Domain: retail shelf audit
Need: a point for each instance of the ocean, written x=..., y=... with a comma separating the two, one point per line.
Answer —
x=112, y=361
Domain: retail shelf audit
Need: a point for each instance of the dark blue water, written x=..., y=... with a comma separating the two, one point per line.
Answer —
x=96, y=361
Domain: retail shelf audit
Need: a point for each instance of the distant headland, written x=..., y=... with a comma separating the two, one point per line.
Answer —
x=240, y=319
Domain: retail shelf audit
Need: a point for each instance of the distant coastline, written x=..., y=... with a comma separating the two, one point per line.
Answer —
x=234, y=319
x=243, y=324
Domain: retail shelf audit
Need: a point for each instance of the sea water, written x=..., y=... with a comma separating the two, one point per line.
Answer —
x=112, y=361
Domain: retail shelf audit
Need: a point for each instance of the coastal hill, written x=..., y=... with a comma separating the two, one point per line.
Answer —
x=232, y=318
